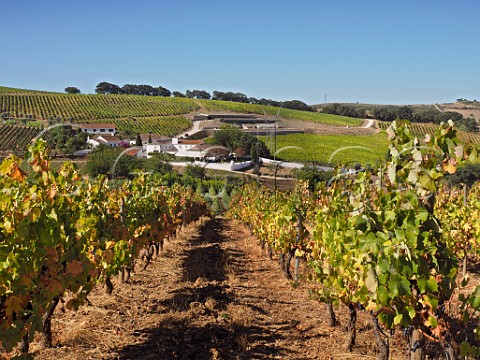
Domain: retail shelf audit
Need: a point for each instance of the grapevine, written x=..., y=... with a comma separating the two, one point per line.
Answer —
x=375, y=241
x=61, y=234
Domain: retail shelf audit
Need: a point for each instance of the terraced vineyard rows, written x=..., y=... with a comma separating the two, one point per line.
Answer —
x=421, y=129
x=88, y=107
x=167, y=126
x=16, y=138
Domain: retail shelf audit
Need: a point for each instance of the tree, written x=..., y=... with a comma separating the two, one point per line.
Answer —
x=161, y=91
x=228, y=136
x=405, y=113
x=230, y=96
x=258, y=149
x=178, y=94
x=107, y=88
x=268, y=102
x=130, y=89
x=138, y=141
x=443, y=117
x=75, y=143
x=146, y=90
x=194, y=171
x=60, y=136
x=233, y=138
x=72, y=90
x=198, y=94
x=469, y=124
x=102, y=160
x=313, y=176
x=157, y=164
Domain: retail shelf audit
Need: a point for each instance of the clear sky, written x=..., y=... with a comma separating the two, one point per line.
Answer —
x=383, y=51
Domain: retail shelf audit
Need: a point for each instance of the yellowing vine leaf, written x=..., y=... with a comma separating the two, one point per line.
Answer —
x=450, y=166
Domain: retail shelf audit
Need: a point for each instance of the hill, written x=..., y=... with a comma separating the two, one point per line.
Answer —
x=170, y=116
x=44, y=106
x=132, y=114
x=9, y=90
x=466, y=108
x=316, y=117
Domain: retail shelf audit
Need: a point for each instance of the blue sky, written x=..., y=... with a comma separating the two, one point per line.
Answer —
x=395, y=52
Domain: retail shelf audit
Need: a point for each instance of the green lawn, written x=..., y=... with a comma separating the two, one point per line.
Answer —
x=330, y=149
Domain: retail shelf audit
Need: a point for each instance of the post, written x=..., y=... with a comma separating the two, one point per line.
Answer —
x=121, y=275
x=297, y=241
x=465, y=194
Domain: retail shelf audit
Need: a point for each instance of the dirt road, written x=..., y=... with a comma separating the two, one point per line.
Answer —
x=211, y=294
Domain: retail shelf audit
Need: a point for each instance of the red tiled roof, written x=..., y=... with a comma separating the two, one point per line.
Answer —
x=154, y=137
x=97, y=126
x=191, y=142
x=133, y=151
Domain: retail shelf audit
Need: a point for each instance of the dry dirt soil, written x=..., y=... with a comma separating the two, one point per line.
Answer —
x=325, y=129
x=211, y=294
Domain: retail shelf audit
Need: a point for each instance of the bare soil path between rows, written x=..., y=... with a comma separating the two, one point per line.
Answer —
x=211, y=294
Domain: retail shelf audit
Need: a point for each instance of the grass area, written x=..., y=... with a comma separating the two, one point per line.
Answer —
x=217, y=105
x=35, y=123
x=330, y=149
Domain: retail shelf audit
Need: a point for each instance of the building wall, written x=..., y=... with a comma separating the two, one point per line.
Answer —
x=108, y=131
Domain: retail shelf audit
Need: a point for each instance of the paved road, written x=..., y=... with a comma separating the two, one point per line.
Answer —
x=193, y=130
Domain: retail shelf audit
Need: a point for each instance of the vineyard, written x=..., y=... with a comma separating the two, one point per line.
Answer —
x=61, y=234
x=422, y=129
x=83, y=108
x=16, y=139
x=45, y=106
x=381, y=249
x=375, y=245
x=165, y=125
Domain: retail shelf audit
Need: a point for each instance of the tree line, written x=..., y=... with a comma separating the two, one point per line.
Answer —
x=107, y=88
x=422, y=114
x=131, y=89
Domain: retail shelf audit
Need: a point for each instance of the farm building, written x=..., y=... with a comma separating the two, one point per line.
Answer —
x=150, y=139
x=98, y=129
x=108, y=140
x=179, y=147
x=136, y=151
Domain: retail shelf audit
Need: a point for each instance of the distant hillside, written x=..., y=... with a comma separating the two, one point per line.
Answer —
x=4, y=89
x=171, y=116
x=464, y=118
x=132, y=114
x=466, y=108
x=328, y=119
x=55, y=107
